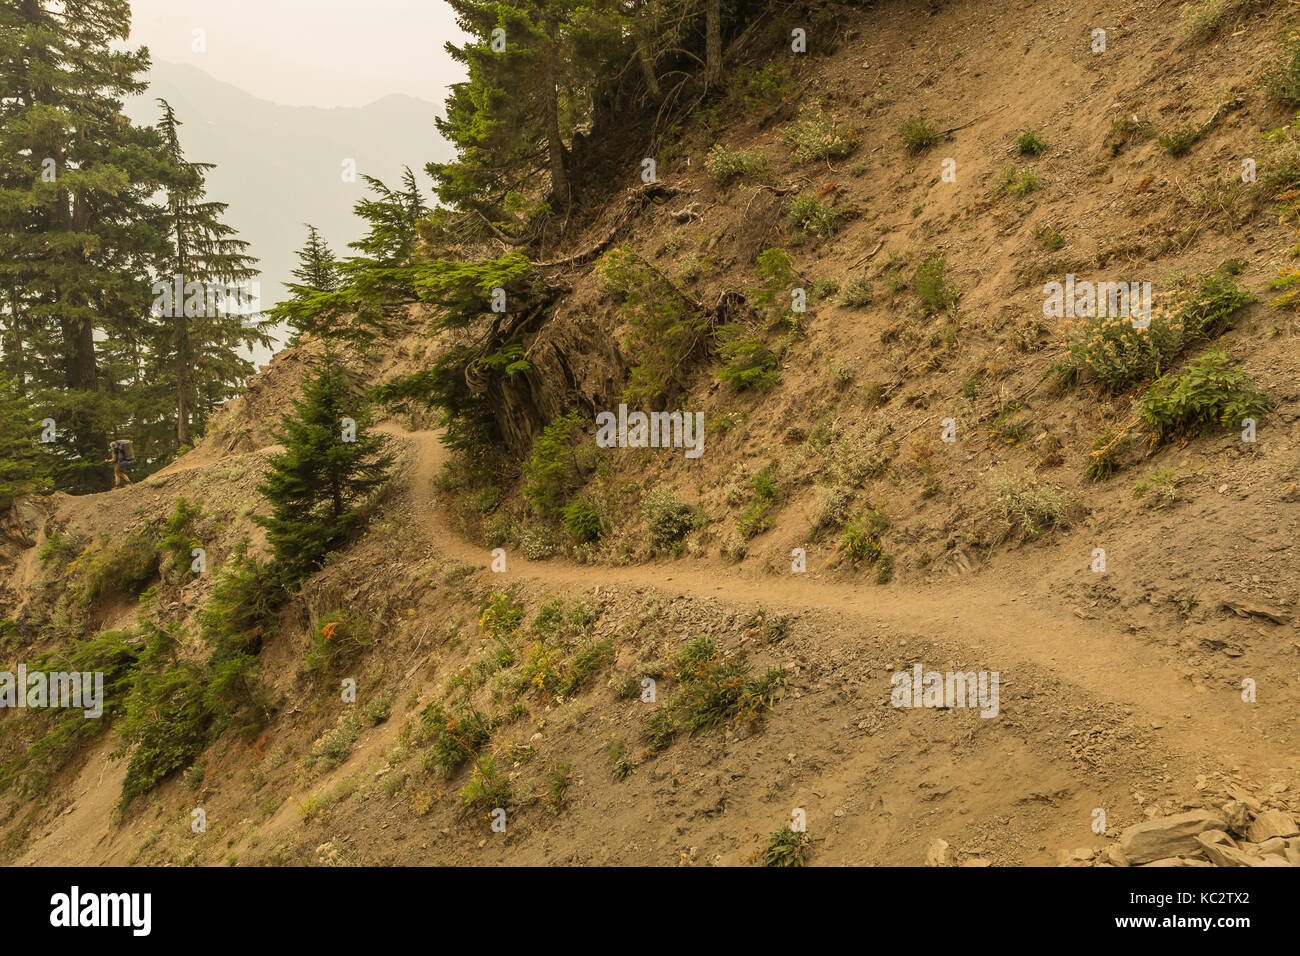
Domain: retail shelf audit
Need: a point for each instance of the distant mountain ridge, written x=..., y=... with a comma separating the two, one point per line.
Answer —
x=280, y=166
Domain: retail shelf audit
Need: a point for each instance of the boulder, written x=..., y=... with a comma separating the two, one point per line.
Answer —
x=1166, y=837
x=1272, y=823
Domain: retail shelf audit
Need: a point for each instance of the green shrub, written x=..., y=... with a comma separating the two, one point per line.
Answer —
x=167, y=718
x=768, y=86
x=487, y=788
x=126, y=566
x=778, y=279
x=932, y=286
x=1162, y=484
x=1209, y=393
x=334, y=746
x=1179, y=142
x=452, y=739
x=726, y=165
x=1030, y=143
x=1119, y=353
x=715, y=688
x=666, y=328
x=860, y=539
x=585, y=665
x=1052, y=240
x=554, y=468
x=668, y=518
x=757, y=518
x=919, y=134
x=1018, y=185
x=1125, y=131
x=885, y=568
x=59, y=550
x=62, y=733
x=1282, y=78
x=582, y=519
x=500, y=615
x=818, y=136
x=814, y=217
x=240, y=616
x=178, y=540
x=747, y=361
x=339, y=640
x=785, y=847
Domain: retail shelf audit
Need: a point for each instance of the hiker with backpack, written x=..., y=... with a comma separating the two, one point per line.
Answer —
x=122, y=456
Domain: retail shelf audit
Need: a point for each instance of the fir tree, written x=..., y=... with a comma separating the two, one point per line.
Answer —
x=326, y=470
x=78, y=224
x=24, y=464
x=316, y=270
x=202, y=329
x=365, y=285
x=511, y=104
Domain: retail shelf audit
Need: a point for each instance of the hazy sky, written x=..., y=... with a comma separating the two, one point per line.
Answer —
x=308, y=52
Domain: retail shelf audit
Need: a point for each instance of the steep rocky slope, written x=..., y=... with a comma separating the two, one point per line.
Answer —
x=1122, y=691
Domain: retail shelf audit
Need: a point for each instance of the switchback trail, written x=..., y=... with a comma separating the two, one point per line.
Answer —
x=1097, y=658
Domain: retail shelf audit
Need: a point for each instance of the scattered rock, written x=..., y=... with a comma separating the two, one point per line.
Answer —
x=938, y=855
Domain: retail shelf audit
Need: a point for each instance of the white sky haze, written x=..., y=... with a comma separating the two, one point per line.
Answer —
x=308, y=52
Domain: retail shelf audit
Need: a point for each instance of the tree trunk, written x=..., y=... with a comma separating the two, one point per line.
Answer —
x=713, y=40
x=182, y=340
x=648, y=71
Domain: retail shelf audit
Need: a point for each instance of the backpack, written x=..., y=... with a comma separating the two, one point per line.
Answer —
x=123, y=452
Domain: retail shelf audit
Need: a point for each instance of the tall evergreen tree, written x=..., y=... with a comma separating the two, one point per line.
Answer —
x=331, y=462
x=24, y=463
x=201, y=328
x=78, y=225
x=509, y=111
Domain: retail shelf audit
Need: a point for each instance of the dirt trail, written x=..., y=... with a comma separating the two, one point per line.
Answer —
x=996, y=624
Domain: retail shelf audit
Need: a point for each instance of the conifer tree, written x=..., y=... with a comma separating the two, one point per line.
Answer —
x=78, y=224
x=316, y=270
x=510, y=107
x=365, y=285
x=24, y=463
x=331, y=462
x=200, y=327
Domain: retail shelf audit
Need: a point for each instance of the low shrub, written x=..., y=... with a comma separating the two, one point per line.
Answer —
x=1029, y=143
x=817, y=135
x=919, y=134
x=668, y=518
x=1029, y=506
x=747, y=361
x=582, y=520
x=815, y=217
x=1209, y=393
x=727, y=165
